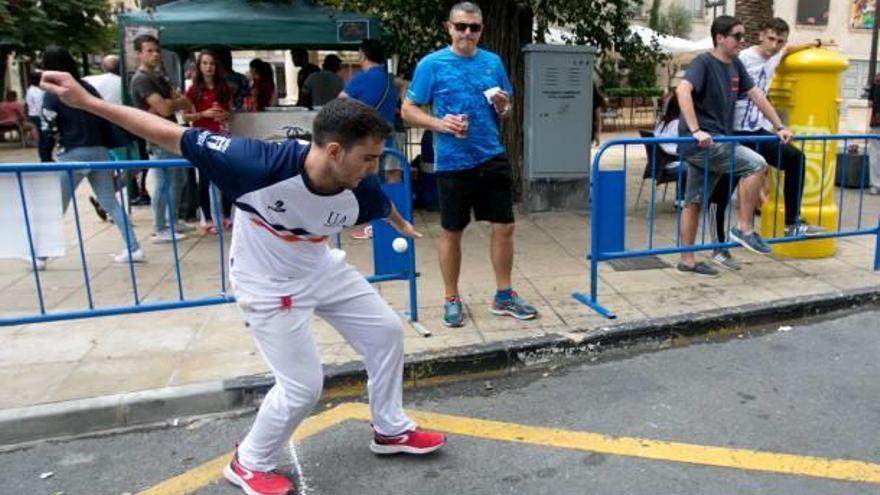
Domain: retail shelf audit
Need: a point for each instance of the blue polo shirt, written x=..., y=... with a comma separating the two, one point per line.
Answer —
x=453, y=84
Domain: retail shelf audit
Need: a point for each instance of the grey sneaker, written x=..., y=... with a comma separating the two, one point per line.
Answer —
x=723, y=258
x=803, y=229
x=699, y=269
x=515, y=307
x=452, y=314
x=874, y=191
x=751, y=241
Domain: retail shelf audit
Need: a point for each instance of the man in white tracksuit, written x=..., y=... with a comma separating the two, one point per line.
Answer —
x=291, y=197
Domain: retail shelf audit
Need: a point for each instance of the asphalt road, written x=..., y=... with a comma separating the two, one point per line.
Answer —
x=790, y=399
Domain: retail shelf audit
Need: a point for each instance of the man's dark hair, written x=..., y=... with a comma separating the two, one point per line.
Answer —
x=144, y=38
x=332, y=63
x=348, y=121
x=373, y=51
x=776, y=24
x=723, y=25
x=11, y=95
x=224, y=58
x=300, y=56
x=59, y=59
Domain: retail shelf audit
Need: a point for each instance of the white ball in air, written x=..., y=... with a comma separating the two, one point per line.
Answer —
x=399, y=245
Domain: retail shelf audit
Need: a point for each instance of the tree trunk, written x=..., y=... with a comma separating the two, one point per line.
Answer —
x=4, y=60
x=753, y=13
x=508, y=28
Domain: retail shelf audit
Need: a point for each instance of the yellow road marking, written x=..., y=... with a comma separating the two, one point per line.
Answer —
x=836, y=469
x=743, y=459
x=212, y=470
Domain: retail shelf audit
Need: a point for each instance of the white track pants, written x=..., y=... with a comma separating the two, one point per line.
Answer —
x=341, y=296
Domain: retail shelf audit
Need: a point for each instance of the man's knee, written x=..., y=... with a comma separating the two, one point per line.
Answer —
x=306, y=392
x=503, y=229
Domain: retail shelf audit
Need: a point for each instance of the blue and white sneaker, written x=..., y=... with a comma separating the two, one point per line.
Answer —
x=452, y=313
x=515, y=307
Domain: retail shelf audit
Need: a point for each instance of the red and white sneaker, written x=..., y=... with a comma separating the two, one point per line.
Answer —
x=256, y=482
x=414, y=441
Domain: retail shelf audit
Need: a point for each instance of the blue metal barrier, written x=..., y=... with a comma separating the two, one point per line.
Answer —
x=397, y=270
x=607, y=234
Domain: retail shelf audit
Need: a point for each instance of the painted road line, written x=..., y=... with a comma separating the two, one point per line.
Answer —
x=212, y=470
x=742, y=459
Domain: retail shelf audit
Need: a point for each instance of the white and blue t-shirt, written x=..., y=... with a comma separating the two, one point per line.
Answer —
x=453, y=84
x=281, y=224
x=748, y=117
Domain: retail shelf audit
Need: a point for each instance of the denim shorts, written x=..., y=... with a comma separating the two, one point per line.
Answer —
x=717, y=162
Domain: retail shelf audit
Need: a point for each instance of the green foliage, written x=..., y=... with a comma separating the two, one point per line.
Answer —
x=415, y=27
x=676, y=21
x=642, y=73
x=609, y=73
x=654, y=16
x=28, y=26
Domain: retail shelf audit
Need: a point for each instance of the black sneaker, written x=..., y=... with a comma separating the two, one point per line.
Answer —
x=699, y=269
x=751, y=241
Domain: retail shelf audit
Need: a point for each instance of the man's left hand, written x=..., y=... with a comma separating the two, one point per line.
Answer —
x=501, y=101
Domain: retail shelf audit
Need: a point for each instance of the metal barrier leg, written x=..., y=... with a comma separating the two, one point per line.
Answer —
x=877, y=248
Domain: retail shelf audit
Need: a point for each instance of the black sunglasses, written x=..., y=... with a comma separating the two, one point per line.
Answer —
x=463, y=26
x=738, y=36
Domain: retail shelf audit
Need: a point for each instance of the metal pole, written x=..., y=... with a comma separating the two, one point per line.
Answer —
x=872, y=62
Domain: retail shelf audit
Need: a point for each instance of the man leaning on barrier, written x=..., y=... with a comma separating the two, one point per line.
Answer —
x=707, y=96
x=290, y=198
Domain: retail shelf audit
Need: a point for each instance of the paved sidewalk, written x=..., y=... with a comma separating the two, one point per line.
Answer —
x=78, y=359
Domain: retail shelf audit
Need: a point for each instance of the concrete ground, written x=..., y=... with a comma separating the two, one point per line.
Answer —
x=45, y=363
x=788, y=412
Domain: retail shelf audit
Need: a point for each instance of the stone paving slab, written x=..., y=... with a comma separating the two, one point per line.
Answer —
x=46, y=363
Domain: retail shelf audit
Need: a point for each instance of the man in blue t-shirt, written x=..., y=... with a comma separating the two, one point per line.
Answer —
x=375, y=86
x=468, y=91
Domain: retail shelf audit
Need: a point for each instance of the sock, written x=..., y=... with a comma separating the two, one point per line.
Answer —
x=504, y=294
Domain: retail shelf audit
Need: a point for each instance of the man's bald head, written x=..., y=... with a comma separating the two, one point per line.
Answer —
x=110, y=64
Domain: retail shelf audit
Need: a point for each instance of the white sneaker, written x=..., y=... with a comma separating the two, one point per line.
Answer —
x=165, y=237
x=137, y=256
x=39, y=262
x=183, y=227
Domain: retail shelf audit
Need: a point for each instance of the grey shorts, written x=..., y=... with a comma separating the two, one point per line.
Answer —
x=745, y=163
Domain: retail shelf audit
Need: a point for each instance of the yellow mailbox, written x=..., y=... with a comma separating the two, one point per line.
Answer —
x=805, y=92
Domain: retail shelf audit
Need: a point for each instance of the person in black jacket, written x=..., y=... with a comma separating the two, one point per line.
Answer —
x=83, y=137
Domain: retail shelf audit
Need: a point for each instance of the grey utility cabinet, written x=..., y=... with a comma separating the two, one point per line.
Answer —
x=557, y=126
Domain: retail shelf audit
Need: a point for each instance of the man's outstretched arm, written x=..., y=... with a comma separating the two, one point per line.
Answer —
x=146, y=125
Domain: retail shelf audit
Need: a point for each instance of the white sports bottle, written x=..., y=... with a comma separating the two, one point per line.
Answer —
x=399, y=245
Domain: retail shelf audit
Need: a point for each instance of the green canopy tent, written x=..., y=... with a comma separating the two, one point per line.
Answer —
x=188, y=25
x=185, y=26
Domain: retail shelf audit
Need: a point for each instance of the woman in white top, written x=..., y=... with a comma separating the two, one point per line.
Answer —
x=33, y=100
x=667, y=125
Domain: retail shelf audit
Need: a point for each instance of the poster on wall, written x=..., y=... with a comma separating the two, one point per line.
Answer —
x=42, y=192
x=862, y=14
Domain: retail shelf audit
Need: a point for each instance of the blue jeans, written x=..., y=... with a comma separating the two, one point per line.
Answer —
x=169, y=186
x=102, y=184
